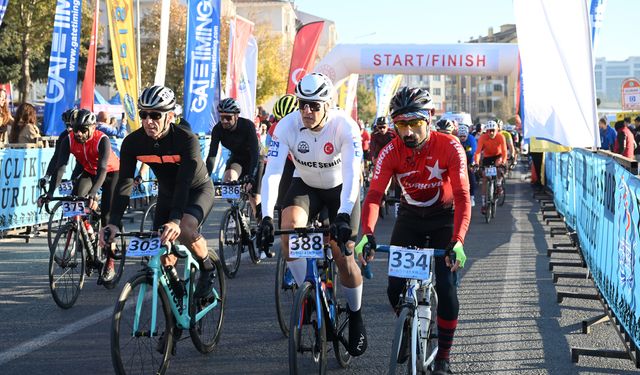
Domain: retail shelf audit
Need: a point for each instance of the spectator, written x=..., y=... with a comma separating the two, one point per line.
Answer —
x=627, y=123
x=637, y=137
x=25, y=126
x=111, y=131
x=5, y=116
x=607, y=135
x=624, y=144
x=113, y=122
x=366, y=141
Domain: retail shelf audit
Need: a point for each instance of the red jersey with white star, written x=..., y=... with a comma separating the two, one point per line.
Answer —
x=433, y=179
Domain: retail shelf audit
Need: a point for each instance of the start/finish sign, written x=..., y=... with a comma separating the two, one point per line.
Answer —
x=630, y=94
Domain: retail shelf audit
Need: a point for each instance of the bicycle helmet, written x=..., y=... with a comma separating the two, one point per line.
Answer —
x=499, y=123
x=315, y=87
x=284, y=106
x=157, y=98
x=445, y=126
x=382, y=121
x=67, y=116
x=83, y=119
x=463, y=131
x=490, y=125
x=410, y=103
x=228, y=105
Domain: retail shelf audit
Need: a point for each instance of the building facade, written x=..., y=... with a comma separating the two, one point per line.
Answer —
x=609, y=76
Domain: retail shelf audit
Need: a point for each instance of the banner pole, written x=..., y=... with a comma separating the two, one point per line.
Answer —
x=138, y=44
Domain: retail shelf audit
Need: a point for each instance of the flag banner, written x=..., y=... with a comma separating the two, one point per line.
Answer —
x=201, y=67
x=247, y=87
x=89, y=82
x=304, y=51
x=62, y=77
x=596, y=15
x=3, y=9
x=351, y=95
x=239, y=32
x=567, y=114
x=123, y=50
x=161, y=67
x=385, y=85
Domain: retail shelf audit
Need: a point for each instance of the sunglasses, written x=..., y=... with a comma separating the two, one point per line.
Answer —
x=226, y=117
x=80, y=129
x=491, y=131
x=313, y=106
x=413, y=124
x=153, y=115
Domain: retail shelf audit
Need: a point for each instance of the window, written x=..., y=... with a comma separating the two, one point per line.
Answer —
x=497, y=88
x=437, y=78
x=437, y=91
x=481, y=105
x=618, y=71
x=489, y=105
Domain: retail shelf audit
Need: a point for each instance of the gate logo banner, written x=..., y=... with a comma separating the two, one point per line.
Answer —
x=63, y=64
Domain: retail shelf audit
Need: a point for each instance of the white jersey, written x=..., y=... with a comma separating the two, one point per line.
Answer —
x=323, y=159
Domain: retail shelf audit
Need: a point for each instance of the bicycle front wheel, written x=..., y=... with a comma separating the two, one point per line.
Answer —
x=118, y=254
x=254, y=251
x=502, y=196
x=285, y=293
x=66, y=265
x=401, y=347
x=55, y=221
x=307, y=341
x=206, y=332
x=147, y=220
x=230, y=243
x=136, y=346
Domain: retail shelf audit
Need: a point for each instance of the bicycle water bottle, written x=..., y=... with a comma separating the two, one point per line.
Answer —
x=423, y=318
x=90, y=231
x=174, y=281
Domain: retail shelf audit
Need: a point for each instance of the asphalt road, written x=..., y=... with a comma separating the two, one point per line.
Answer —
x=510, y=322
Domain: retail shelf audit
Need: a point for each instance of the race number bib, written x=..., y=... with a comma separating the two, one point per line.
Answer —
x=70, y=209
x=143, y=247
x=65, y=188
x=230, y=191
x=410, y=263
x=154, y=188
x=490, y=171
x=308, y=246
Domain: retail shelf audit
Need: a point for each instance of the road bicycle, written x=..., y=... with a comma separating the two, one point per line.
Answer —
x=495, y=192
x=56, y=217
x=317, y=316
x=415, y=340
x=75, y=253
x=155, y=306
x=237, y=228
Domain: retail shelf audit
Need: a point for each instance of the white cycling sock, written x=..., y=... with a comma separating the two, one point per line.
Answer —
x=353, y=296
x=298, y=269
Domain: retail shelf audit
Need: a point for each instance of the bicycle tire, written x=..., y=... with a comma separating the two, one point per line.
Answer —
x=502, y=197
x=254, y=251
x=69, y=258
x=489, y=202
x=147, y=219
x=206, y=343
x=304, y=308
x=285, y=296
x=139, y=289
x=229, y=244
x=432, y=342
x=120, y=257
x=403, y=327
x=55, y=221
x=342, y=320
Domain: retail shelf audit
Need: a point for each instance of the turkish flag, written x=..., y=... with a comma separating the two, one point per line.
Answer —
x=89, y=82
x=304, y=52
x=240, y=32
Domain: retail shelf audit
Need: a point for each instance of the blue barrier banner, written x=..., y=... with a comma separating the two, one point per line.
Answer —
x=201, y=63
x=604, y=203
x=3, y=9
x=63, y=64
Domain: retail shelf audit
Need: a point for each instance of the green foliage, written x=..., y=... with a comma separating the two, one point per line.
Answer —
x=366, y=104
x=272, y=68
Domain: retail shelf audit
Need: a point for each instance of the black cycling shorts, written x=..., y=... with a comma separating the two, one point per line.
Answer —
x=412, y=230
x=313, y=200
x=84, y=183
x=244, y=164
x=199, y=205
x=490, y=160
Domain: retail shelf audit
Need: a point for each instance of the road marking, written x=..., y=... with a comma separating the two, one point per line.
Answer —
x=51, y=337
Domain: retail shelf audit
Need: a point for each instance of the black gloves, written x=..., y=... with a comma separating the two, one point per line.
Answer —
x=264, y=237
x=341, y=228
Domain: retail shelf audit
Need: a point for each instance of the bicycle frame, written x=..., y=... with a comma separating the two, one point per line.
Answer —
x=180, y=308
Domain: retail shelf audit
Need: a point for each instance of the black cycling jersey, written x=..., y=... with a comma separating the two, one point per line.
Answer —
x=242, y=142
x=174, y=159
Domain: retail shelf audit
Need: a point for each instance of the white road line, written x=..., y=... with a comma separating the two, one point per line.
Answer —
x=51, y=337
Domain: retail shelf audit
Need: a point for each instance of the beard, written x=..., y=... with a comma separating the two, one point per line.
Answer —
x=410, y=142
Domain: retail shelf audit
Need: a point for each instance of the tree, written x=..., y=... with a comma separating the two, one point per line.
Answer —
x=272, y=67
x=150, y=31
x=366, y=104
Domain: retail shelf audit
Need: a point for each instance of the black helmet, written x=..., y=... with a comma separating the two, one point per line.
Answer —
x=67, y=116
x=382, y=121
x=228, y=105
x=411, y=101
x=83, y=119
x=445, y=126
x=157, y=98
x=284, y=106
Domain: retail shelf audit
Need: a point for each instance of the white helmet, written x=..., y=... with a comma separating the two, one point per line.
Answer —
x=463, y=131
x=490, y=125
x=315, y=87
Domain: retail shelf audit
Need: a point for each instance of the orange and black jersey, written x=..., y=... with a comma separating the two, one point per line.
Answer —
x=175, y=160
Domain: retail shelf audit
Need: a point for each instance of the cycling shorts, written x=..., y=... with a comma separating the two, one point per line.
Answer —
x=490, y=160
x=84, y=183
x=244, y=164
x=199, y=205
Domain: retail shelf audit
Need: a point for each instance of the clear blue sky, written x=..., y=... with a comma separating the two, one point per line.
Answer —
x=450, y=21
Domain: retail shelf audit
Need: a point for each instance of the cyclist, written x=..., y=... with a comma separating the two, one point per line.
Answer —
x=239, y=136
x=509, y=139
x=67, y=117
x=100, y=165
x=327, y=151
x=380, y=137
x=470, y=144
x=185, y=191
x=446, y=126
x=432, y=171
x=493, y=147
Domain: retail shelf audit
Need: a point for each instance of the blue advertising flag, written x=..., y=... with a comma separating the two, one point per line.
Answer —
x=596, y=14
x=201, y=63
x=3, y=9
x=63, y=64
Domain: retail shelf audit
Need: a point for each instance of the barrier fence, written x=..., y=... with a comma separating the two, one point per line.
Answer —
x=20, y=170
x=599, y=199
